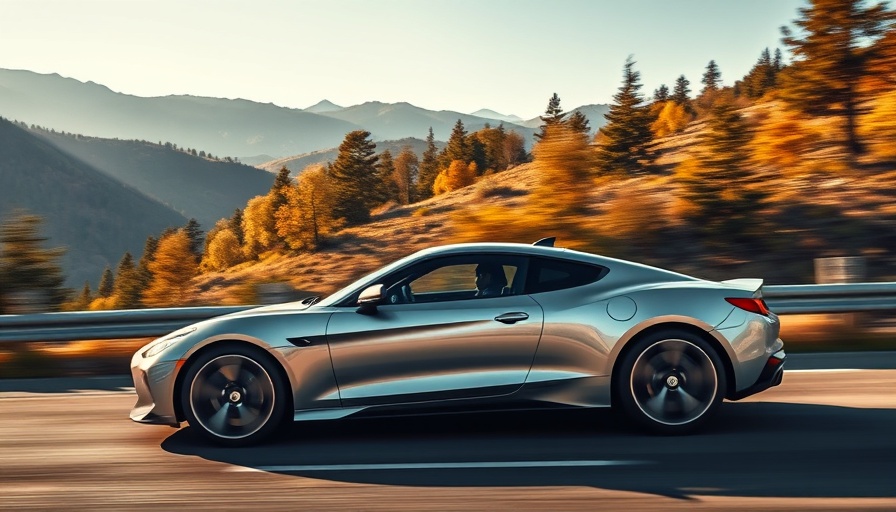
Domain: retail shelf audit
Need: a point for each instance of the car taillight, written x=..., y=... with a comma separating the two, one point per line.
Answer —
x=757, y=306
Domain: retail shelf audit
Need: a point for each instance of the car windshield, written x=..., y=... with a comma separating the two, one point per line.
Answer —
x=369, y=279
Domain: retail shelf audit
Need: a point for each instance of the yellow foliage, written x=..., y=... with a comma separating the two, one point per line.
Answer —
x=173, y=269
x=878, y=127
x=259, y=229
x=672, y=118
x=307, y=215
x=458, y=175
x=223, y=251
x=103, y=303
x=783, y=142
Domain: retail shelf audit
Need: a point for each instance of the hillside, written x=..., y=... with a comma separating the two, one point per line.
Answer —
x=639, y=218
x=199, y=188
x=299, y=162
x=96, y=217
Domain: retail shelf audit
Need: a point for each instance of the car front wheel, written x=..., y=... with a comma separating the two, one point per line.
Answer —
x=671, y=382
x=233, y=396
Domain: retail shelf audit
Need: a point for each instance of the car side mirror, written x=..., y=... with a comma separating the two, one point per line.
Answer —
x=369, y=299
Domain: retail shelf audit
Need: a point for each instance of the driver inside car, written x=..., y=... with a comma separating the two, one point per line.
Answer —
x=490, y=280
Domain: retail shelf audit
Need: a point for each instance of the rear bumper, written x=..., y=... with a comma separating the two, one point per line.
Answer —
x=771, y=375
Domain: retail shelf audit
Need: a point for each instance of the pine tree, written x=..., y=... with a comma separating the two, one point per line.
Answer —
x=553, y=115
x=278, y=189
x=429, y=168
x=457, y=148
x=711, y=78
x=661, y=93
x=194, y=232
x=149, y=251
x=236, y=225
x=82, y=303
x=387, y=189
x=681, y=92
x=836, y=47
x=719, y=181
x=624, y=140
x=579, y=123
x=107, y=284
x=26, y=267
x=354, y=176
x=128, y=284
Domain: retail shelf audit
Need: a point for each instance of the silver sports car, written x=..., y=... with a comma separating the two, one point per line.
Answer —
x=471, y=326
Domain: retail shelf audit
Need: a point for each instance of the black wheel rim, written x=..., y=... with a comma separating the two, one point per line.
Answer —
x=232, y=396
x=674, y=382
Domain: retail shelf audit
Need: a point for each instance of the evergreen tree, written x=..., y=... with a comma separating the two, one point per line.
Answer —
x=579, y=122
x=278, y=189
x=236, y=225
x=196, y=236
x=719, y=181
x=711, y=78
x=354, y=176
x=82, y=303
x=624, y=140
x=26, y=267
x=456, y=149
x=387, y=189
x=128, y=283
x=834, y=50
x=681, y=92
x=429, y=168
x=553, y=115
x=661, y=93
x=107, y=284
x=761, y=78
x=149, y=251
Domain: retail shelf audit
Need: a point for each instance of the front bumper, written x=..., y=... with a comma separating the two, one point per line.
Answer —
x=771, y=375
x=154, y=383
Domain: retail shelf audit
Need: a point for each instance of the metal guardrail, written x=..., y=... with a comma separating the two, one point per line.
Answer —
x=104, y=325
x=94, y=325
x=830, y=298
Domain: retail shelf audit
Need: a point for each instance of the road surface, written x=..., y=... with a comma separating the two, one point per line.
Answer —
x=823, y=440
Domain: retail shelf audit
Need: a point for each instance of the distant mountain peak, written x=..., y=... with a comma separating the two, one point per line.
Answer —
x=323, y=106
x=491, y=114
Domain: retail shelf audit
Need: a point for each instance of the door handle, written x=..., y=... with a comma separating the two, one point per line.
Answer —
x=511, y=318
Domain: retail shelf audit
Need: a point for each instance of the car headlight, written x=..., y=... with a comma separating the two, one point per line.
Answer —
x=166, y=341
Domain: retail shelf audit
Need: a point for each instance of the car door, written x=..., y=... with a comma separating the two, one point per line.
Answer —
x=432, y=338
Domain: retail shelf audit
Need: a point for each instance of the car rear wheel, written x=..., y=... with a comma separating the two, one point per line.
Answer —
x=233, y=396
x=671, y=382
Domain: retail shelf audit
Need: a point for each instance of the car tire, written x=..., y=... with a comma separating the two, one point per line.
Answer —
x=234, y=396
x=670, y=382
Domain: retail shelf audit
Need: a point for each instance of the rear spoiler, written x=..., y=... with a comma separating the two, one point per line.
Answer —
x=746, y=284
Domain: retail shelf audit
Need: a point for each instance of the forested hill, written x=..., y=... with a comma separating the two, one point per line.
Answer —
x=196, y=187
x=91, y=214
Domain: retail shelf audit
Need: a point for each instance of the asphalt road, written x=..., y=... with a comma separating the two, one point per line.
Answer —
x=823, y=440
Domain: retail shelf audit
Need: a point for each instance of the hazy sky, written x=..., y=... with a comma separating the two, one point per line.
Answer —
x=461, y=55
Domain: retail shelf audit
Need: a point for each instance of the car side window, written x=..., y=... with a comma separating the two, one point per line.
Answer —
x=465, y=277
x=547, y=275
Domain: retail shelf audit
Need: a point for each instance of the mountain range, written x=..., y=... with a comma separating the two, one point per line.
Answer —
x=230, y=127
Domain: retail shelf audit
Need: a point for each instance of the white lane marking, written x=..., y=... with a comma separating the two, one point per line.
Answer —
x=828, y=370
x=443, y=465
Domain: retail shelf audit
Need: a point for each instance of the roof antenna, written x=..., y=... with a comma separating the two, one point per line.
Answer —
x=546, y=242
